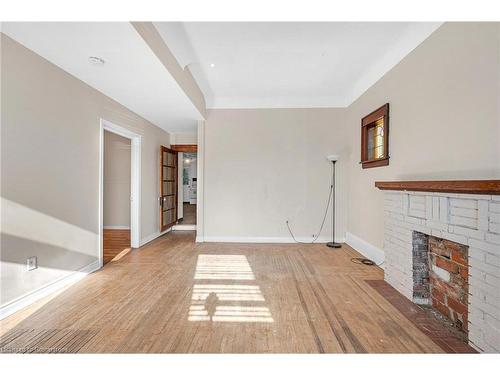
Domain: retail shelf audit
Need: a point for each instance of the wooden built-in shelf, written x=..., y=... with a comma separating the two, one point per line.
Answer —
x=490, y=187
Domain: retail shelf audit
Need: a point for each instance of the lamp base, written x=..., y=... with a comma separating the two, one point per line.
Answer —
x=333, y=244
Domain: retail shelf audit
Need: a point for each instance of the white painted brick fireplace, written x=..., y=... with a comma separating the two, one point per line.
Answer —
x=472, y=220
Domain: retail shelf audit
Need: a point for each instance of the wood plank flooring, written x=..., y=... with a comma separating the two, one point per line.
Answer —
x=189, y=212
x=175, y=296
x=115, y=242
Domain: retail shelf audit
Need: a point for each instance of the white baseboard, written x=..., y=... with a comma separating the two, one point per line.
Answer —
x=184, y=227
x=265, y=239
x=152, y=237
x=116, y=227
x=367, y=249
x=29, y=298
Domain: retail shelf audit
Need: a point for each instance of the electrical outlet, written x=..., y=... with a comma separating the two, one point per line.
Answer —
x=31, y=263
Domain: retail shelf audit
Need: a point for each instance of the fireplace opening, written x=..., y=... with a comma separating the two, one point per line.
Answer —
x=440, y=279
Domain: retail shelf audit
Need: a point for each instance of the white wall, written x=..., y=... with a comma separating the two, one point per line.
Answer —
x=116, y=181
x=264, y=166
x=50, y=170
x=444, y=124
x=183, y=138
x=444, y=119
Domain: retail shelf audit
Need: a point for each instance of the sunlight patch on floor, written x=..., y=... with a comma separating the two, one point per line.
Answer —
x=121, y=254
x=223, y=267
x=227, y=293
x=241, y=302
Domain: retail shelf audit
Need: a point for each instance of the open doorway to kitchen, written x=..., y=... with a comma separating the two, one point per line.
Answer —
x=189, y=182
x=187, y=186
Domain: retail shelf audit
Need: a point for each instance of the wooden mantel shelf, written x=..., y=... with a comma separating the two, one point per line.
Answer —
x=489, y=187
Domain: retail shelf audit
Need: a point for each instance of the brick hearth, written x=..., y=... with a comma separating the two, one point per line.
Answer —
x=464, y=219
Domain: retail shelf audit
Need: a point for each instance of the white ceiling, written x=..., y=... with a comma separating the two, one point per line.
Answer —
x=132, y=74
x=257, y=65
x=295, y=64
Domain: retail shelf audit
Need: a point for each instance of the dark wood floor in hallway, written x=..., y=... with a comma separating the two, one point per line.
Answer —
x=189, y=211
x=175, y=296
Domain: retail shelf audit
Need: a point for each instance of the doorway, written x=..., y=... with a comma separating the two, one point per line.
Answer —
x=116, y=196
x=119, y=191
x=187, y=186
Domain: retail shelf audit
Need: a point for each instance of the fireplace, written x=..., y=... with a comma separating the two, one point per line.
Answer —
x=442, y=249
x=441, y=278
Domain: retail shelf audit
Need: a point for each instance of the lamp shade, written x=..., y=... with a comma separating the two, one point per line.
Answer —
x=333, y=157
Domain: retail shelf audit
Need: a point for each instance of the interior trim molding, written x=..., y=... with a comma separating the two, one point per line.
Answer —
x=184, y=227
x=135, y=182
x=365, y=248
x=266, y=239
x=200, y=188
x=184, y=148
x=153, y=236
x=27, y=299
x=118, y=227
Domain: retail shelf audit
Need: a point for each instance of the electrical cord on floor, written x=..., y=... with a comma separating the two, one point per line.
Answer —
x=366, y=262
x=315, y=238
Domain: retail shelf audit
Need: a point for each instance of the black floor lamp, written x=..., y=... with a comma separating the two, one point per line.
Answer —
x=333, y=159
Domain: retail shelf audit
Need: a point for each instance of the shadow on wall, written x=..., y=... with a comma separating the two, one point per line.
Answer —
x=61, y=248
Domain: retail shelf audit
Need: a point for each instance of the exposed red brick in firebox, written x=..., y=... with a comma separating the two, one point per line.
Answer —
x=448, y=279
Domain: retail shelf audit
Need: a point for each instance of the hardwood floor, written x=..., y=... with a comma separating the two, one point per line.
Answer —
x=189, y=213
x=175, y=296
x=116, y=242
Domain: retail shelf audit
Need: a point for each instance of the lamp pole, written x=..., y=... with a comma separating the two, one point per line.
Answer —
x=333, y=243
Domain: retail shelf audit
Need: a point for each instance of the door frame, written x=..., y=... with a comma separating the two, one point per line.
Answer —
x=181, y=149
x=200, y=183
x=185, y=148
x=180, y=186
x=135, y=182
